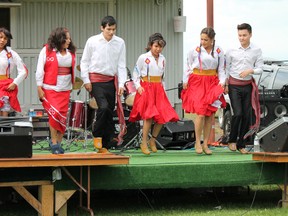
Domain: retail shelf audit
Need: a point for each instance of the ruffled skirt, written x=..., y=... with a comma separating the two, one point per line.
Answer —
x=153, y=103
x=203, y=96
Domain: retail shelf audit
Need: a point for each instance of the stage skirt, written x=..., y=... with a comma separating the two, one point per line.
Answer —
x=153, y=103
x=12, y=95
x=202, y=93
x=56, y=105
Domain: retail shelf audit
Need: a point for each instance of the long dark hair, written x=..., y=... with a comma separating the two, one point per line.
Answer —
x=211, y=34
x=7, y=33
x=57, y=38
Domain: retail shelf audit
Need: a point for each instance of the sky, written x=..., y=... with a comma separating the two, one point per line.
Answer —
x=268, y=18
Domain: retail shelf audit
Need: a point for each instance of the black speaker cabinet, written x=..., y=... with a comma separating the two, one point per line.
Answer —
x=177, y=133
x=274, y=138
x=272, y=108
x=16, y=140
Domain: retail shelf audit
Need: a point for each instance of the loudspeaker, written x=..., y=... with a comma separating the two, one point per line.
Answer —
x=177, y=133
x=272, y=108
x=16, y=140
x=274, y=138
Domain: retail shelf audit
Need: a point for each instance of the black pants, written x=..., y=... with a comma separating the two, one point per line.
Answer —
x=104, y=94
x=240, y=97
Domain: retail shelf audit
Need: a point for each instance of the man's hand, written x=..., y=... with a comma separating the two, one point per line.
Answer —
x=120, y=91
x=88, y=87
x=245, y=73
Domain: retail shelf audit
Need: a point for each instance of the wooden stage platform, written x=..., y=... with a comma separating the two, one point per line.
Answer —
x=44, y=205
x=85, y=170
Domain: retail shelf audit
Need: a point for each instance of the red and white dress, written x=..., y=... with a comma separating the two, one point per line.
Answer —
x=204, y=74
x=56, y=101
x=9, y=60
x=153, y=102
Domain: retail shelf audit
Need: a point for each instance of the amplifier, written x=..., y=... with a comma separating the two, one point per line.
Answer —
x=269, y=93
x=16, y=140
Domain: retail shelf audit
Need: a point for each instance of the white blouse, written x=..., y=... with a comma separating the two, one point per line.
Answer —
x=145, y=64
x=63, y=81
x=15, y=61
x=208, y=62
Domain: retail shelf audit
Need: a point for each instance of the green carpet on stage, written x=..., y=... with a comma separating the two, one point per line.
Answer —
x=172, y=169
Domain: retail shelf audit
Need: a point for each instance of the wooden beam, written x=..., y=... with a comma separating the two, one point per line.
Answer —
x=61, y=198
x=284, y=197
x=46, y=196
x=29, y=198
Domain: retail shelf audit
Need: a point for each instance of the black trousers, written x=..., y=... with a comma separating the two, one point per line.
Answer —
x=104, y=94
x=240, y=97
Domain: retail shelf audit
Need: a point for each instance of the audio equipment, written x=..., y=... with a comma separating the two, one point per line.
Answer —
x=177, y=133
x=16, y=139
x=272, y=106
x=274, y=138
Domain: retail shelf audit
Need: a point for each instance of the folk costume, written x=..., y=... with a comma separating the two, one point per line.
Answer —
x=9, y=59
x=243, y=92
x=153, y=103
x=103, y=64
x=204, y=73
x=55, y=73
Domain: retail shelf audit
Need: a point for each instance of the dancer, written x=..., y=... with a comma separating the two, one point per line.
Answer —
x=151, y=102
x=203, y=85
x=103, y=70
x=9, y=59
x=242, y=62
x=54, y=77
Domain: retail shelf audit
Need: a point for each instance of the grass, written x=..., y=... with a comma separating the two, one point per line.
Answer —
x=236, y=201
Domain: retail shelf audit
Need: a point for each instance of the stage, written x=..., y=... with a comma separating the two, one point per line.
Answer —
x=134, y=170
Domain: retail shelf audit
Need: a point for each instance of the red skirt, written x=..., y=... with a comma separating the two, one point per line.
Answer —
x=153, y=103
x=13, y=100
x=56, y=105
x=201, y=93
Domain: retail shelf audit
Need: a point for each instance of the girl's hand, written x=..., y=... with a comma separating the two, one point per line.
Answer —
x=140, y=90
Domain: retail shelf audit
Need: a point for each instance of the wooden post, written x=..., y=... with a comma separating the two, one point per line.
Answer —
x=210, y=15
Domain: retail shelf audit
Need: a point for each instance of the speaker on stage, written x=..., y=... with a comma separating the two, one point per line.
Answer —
x=274, y=138
x=177, y=133
x=272, y=108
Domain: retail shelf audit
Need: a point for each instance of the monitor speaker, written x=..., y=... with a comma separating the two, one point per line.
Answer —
x=177, y=133
x=274, y=138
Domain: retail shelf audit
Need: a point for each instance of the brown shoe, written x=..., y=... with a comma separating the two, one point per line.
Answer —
x=103, y=151
x=153, y=146
x=243, y=151
x=144, y=148
x=232, y=146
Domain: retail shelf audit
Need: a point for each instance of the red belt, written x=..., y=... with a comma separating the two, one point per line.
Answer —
x=64, y=70
x=97, y=77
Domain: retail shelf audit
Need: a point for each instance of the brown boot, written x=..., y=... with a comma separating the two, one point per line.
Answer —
x=144, y=148
x=152, y=144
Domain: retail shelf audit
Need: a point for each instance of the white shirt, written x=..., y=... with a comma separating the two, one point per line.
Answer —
x=104, y=57
x=146, y=61
x=208, y=63
x=63, y=81
x=240, y=59
x=15, y=61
